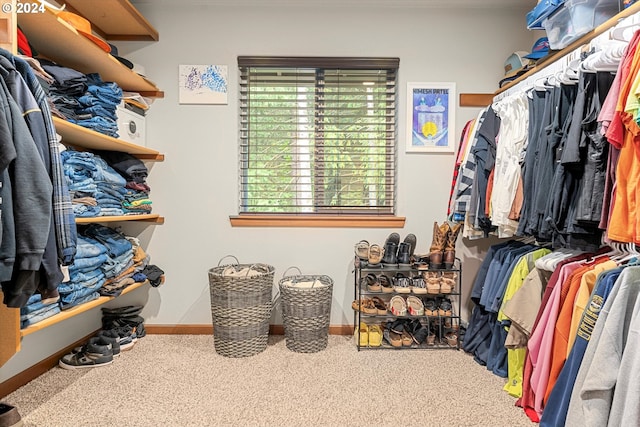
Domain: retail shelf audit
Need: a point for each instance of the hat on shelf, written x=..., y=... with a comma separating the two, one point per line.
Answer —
x=515, y=65
x=124, y=61
x=82, y=26
x=540, y=49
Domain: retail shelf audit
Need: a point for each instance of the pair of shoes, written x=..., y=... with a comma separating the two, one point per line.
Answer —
x=410, y=331
x=9, y=416
x=369, y=335
x=91, y=355
x=109, y=338
x=398, y=253
x=365, y=305
x=443, y=246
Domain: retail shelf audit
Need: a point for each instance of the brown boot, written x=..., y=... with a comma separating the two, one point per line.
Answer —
x=450, y=245
x=436, y=250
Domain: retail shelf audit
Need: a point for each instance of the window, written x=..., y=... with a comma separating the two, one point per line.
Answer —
x=317, y=135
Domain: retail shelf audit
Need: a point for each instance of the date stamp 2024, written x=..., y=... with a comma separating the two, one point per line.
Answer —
x=23, y=7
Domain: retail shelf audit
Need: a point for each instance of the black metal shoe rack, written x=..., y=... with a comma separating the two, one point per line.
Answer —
x=439, y=327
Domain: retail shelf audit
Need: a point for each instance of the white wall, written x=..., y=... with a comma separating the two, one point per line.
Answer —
x=196, y=187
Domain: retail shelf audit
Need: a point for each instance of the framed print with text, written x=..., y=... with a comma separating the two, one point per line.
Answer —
x=430, y=117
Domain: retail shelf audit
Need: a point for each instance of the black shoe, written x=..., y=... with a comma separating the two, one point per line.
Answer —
x=417, y=331
x=9, y=416
x=404, y=257
x=103, y=338
x=90, y=356
x=412, y=240
x=390, y=257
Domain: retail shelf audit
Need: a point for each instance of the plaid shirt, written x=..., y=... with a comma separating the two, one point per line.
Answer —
x=63, y=217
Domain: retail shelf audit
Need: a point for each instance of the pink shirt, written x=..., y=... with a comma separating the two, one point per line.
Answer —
x=540, y=343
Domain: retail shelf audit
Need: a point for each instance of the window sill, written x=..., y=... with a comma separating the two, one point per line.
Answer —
x=336, y=221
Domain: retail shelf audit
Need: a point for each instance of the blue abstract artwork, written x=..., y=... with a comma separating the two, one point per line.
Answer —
x=203, y=84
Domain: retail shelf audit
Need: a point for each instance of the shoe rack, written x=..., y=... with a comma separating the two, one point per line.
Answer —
x=410, y=298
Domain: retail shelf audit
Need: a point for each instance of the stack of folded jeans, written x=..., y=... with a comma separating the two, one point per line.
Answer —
x=110, y=189
x=129, y=275
x=96, y=188
x=119, y=249
x=35, y=311
x=67, y=87
x=99, y=103
x=86, y=274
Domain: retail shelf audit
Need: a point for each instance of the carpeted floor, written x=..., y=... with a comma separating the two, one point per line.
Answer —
x=179, y=380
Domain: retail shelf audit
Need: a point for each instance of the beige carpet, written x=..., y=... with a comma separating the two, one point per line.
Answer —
x=179, y=380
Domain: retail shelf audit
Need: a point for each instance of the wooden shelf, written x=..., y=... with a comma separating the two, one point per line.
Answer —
x=74, y=311
x=79, y=136
x=154, y=218
x=72, y=50
x=113, y=19
x=471, y=100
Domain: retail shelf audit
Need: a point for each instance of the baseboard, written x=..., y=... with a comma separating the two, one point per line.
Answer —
x=208, y=329
x=31, y=373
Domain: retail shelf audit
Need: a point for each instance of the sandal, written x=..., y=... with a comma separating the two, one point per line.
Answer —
x=362, y=250
x=398, y=306
x=375, y=336
x=444, y=308
x=402, y=284
x=385, y=284
x=375, y=254
x=380, y=305
x=406, y=339
x=368, y=306
x=433, y=281
x=373, y=285
x=415, y=306
x=418, y=285
x=451, y=338
x=448, y=282
x=430, y=307
x=392, y=337
x=417, y=331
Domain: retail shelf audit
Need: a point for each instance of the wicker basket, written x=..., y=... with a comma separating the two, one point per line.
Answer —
x=241, y=309
x=306, y=308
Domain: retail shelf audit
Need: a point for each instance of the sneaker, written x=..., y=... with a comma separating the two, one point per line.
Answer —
x=103, y=340
x=9, y=416
x=128, y=336
x=91, y=355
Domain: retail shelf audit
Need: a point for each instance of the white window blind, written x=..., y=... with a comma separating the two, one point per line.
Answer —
x=317, y=135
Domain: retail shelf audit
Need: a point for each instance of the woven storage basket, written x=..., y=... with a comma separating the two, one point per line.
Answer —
x=306, y=308
x=241, y=309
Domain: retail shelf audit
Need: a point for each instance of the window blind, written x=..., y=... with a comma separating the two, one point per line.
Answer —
x=318, y=135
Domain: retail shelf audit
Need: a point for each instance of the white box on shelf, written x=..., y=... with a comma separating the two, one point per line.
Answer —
x=131, y=125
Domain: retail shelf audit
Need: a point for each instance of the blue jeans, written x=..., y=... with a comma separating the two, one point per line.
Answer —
x=115, y=242
x=87, y=247
x=84, y=211
x=87, y=264
x=52, y=310
x=81, y=300
x=106, y=173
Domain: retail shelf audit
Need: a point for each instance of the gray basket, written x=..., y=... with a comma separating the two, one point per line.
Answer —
x=306, y=312
x=241, y=309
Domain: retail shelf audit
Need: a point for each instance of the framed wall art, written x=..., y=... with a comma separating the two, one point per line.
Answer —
x=430, y=117
x=203, y=84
